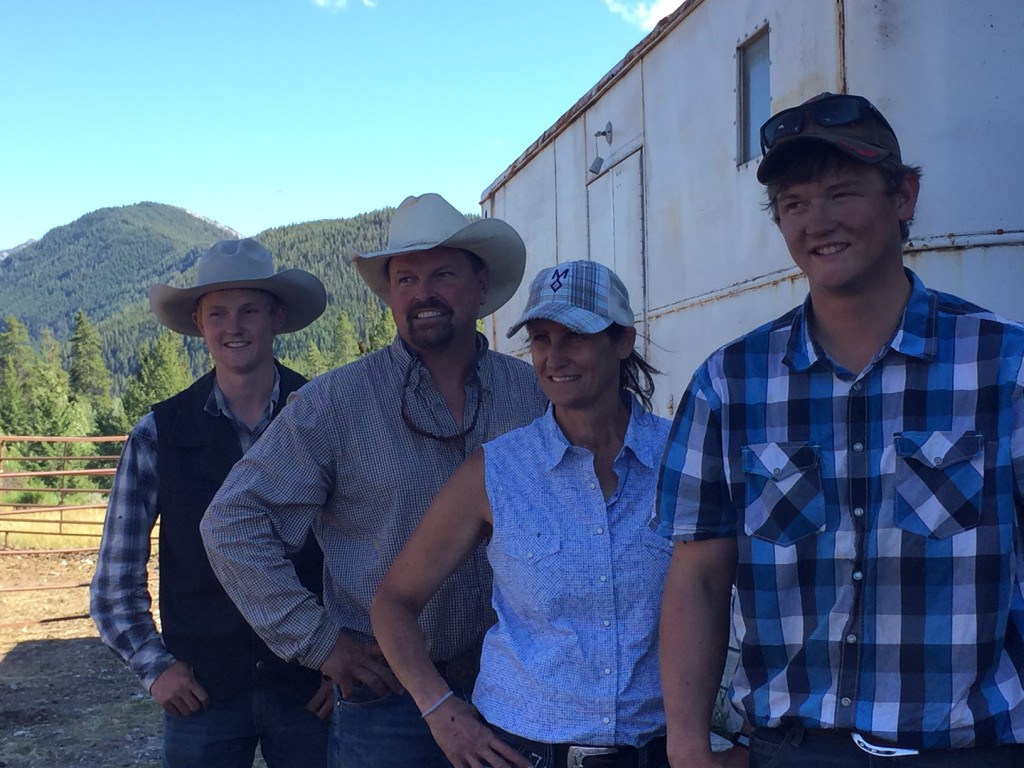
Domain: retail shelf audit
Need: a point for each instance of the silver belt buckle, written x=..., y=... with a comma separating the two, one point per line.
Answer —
x=881, y=750
x=576, y=755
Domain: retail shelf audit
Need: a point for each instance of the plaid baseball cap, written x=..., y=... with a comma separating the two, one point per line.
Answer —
x=584, y=296
x=850, y=123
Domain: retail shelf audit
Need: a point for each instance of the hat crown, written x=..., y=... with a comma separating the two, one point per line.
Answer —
x=233, y=260
x=424, y=219
x=585, y=296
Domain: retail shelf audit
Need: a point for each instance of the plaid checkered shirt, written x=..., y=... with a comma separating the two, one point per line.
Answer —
x=877, y=518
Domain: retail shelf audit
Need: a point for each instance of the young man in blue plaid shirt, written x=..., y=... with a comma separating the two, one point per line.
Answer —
x=856, y=469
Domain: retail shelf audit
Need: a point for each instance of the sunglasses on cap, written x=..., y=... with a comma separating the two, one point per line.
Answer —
x=827, y=112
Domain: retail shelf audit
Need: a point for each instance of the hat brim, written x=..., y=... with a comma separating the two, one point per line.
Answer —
x=302, y=293
x=574, y=318
x=779, y=157
x=496, y=243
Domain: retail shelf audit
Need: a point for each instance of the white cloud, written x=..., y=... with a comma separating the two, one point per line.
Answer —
x=643, y=15
x=340, y=5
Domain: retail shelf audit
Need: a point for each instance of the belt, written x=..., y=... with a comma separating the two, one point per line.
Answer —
x=584, y=756
x=797, y=735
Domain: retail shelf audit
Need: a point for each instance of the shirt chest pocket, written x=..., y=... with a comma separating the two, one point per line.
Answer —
x=939, y=479
x=784, y=499
x=527, y=571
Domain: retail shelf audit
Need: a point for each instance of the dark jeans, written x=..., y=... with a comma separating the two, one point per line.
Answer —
x=381, y=732
x=797, y=748
x=225, y=734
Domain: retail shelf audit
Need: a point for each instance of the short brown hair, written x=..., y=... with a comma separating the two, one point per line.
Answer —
x=816, y=159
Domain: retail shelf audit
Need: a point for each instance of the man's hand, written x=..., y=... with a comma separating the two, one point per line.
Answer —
x=351, y=663
x=177, y=691
x=465, y=740
x=322, y=703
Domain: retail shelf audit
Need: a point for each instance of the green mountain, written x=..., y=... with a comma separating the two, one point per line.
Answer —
x=104, y=263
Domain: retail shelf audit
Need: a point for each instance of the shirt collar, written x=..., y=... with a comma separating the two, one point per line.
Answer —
x=406, y=357
x=915, y=336
x=556, y=446
x=217, y=402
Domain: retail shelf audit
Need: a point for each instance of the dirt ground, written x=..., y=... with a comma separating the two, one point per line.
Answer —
x=65, y=699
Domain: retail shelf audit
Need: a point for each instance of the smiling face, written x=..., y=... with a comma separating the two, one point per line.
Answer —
x=238, y=326
x=577, y=371
x=842, y=228
x=435, y=297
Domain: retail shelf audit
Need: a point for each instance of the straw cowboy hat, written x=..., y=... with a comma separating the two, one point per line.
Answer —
x=430, y=221
x=240, y=264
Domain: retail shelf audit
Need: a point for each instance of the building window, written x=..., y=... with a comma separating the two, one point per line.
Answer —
x=755, y=101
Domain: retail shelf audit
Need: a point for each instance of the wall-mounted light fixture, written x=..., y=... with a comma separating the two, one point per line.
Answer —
x=595, y=167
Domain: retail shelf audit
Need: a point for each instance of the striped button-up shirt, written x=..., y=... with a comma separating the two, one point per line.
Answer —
x=879, y=585
x=577, y=587
x=342, y=459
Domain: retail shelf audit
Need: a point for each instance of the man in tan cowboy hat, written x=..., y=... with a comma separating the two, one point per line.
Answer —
x=359, y=456
x=222, y=690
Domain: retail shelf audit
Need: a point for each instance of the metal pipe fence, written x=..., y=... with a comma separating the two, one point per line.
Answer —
x=53, y=491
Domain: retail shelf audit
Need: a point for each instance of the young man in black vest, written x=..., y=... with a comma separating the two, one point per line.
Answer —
x=222, y=690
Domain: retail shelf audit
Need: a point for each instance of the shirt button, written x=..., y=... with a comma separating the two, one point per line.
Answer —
x=603, y=578
x=607, y=623
x=858, y=446
x=858, y=512
x=607, y=671
x=777, y=471
x=260, y=665
x=593, y=486
x=857, y=386
x=851, y=638
x=600, y=530
x=937, y=461
x=845, y=701
x=529, y=555
x=605, y=720
x=857, y=575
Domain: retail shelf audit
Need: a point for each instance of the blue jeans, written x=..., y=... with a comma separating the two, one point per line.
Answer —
x=225, y=734
x=381, y=732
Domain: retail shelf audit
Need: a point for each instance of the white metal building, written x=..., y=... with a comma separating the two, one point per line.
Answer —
x=673, y=204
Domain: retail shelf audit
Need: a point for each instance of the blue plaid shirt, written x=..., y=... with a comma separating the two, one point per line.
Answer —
x=577, y=588
x=120, y=600
x=877, y=519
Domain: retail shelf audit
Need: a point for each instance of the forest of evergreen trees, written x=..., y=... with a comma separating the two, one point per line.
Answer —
x=80, y=351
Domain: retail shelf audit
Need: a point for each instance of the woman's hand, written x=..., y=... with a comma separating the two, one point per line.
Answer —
x=467, y=742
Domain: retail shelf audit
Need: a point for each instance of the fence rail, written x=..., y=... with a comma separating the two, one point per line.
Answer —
x=52, y=494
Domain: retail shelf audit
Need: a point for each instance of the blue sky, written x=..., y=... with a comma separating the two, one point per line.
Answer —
x=260, y=113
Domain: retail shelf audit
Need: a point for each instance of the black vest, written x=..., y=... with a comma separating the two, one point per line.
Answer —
x=199, y=623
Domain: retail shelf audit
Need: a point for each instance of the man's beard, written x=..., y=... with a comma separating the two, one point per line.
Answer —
x=439, y=336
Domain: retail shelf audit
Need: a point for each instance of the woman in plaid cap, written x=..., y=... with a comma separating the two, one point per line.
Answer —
x=570, y=669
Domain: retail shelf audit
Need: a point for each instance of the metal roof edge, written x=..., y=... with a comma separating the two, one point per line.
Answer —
x=635, y=55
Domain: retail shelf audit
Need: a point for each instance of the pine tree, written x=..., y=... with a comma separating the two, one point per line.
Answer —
x=313, y=362
x=90, y=377
x=13, y=408
x=16, y=348
x=380, y=328
x=163, y=371
x=345, y=344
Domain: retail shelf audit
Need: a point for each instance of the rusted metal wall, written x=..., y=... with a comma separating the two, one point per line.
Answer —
x=704, y=263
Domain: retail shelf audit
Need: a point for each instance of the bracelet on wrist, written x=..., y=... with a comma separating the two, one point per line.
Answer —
x=433, y=707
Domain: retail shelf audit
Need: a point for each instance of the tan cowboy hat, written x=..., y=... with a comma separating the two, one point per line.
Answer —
x=430, y=221
x=240, y=264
